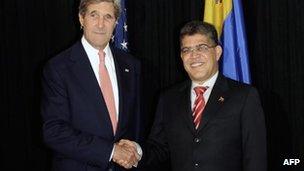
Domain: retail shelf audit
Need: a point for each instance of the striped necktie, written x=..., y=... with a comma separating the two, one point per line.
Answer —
x=199, y=105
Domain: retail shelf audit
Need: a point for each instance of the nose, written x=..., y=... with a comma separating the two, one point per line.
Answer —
x=194, y=53
x=100, y=22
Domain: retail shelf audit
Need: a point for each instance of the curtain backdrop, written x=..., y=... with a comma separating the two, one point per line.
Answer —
x=32, y=31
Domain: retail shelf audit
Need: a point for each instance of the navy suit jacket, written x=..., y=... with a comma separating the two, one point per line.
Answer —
x=231, y=136
x=77, y=125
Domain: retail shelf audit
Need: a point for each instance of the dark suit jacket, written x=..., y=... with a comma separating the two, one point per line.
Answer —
x=77, y=125
x=231, y=136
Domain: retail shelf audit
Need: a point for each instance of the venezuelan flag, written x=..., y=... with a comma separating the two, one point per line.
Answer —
x=227, y=17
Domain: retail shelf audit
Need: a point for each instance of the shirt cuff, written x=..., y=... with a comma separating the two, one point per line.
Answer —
x=112, y=153
x=139, y=152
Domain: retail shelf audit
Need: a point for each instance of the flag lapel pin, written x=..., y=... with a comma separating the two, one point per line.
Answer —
x=221, y=99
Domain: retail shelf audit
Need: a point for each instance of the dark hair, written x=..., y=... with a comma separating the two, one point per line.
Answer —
x=85, y=3
x=199, y=27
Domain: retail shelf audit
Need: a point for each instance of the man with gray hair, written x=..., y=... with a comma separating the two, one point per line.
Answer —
x=91, y=97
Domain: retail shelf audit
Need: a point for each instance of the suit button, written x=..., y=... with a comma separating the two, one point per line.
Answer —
x=196, y=165
x=197, y=140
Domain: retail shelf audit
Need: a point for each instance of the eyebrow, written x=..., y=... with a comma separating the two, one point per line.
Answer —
x=94, y=11
x=197, y=45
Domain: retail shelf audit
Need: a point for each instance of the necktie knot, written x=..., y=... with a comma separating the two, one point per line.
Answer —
x=102, y=56
x=199, y=90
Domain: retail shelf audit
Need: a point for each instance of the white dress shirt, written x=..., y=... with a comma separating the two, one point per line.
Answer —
x=110, y=65
x=209, y=83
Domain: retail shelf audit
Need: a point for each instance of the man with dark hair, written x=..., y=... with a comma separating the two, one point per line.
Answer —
x=91, y=97
x=210, y=122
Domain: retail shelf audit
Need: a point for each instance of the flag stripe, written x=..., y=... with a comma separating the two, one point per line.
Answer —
x=216, y=13
x=231, y=29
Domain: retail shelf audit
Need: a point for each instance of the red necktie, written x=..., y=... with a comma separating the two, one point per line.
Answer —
x=199, y=105
x=106, y=89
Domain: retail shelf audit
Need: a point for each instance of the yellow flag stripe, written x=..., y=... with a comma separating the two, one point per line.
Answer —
x=216, y=12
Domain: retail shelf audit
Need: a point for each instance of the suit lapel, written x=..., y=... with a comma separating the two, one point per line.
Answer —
x=215, y=102
x=87, y=80
x=122, y=82
x=184, y=106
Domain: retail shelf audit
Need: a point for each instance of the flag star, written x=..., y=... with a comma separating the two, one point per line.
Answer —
x=112, y=38
x=125, y=27
x=124, y=44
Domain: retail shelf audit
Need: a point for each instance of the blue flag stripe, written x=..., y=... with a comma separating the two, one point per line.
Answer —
x=235, y=62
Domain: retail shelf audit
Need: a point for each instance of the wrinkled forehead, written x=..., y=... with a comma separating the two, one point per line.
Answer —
x=90, y=6
x=105, y=7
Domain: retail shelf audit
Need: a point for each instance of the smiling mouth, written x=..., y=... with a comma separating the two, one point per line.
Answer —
x=196, y=64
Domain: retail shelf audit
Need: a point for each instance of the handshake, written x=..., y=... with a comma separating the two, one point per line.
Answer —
x=126, y=153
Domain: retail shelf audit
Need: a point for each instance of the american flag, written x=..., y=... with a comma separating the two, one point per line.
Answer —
x=120, y=38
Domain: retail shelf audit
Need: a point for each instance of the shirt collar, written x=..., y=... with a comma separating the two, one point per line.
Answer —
x=209, y=83
x=94, y=52
x=89, y=48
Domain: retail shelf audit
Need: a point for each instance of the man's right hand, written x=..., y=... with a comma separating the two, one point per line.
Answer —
x=125, y=154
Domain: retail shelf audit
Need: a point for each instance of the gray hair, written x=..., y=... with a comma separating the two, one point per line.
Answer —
x=83, y=5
